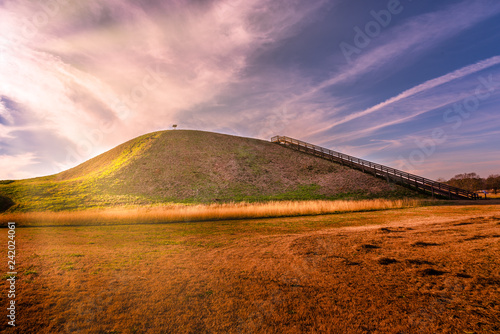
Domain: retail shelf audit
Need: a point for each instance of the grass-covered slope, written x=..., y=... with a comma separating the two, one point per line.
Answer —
x=194, y=167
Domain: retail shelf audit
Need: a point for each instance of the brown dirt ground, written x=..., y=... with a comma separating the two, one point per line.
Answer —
x=420, y=273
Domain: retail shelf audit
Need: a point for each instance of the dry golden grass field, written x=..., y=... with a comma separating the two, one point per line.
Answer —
x=431, y=269
x=210, y=212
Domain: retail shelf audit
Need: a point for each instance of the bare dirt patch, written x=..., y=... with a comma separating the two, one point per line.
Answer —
x=431, y=272
x=423, y=244
x=386, y=260
x=369, y=246
x=418, y=262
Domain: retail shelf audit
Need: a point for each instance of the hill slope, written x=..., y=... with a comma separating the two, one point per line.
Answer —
x=194, y=167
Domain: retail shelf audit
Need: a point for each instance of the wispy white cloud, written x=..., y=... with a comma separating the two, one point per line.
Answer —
x=135, y=66
x=428, y=85
x=436, y=94
x=418, y=35
x=12, y=165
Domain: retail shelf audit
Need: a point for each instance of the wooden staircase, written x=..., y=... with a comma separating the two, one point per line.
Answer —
x=390, y=174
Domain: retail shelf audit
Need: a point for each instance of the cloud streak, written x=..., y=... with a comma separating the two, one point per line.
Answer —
x=426, y=86
x=420, y=34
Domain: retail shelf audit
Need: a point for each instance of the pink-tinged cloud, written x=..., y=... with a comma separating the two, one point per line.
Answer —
x=98, y=73
x=11, y=166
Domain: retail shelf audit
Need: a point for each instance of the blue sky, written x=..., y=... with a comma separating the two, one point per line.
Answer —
x=410, y=84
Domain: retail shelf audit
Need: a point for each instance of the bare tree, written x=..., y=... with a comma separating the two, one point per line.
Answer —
x=468, y=181
x=493, y=182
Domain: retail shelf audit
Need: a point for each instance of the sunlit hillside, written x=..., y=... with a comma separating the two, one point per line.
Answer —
x=194, y=167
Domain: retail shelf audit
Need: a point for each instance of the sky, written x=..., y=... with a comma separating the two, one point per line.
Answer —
x=411, y=84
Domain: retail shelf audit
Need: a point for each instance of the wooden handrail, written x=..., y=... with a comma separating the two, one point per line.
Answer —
x=403, y=177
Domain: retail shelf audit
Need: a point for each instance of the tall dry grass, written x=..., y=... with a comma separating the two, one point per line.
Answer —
x=184, y=213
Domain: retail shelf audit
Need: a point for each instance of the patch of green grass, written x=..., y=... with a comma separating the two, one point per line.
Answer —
x=169, y=242
x=208, y=293
x=302, y=192
x=5, y=276
x=67, y=266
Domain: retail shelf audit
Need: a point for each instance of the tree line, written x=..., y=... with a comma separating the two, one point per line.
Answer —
x=473, y=182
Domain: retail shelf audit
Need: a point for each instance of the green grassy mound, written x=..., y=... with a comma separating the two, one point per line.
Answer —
x=185, y=166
